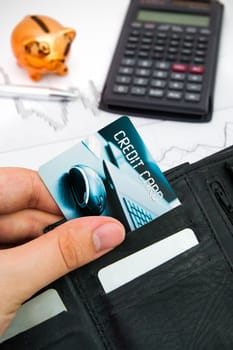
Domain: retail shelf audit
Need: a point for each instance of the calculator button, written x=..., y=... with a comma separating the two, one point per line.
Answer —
x=121, y=79
x=162, y=65
x=131, y=46
x=161, y=35
x=176, y=67
x=158, y=83
x=205, y=31
x=172, y=50
x=171, y=57
x=178, y=76
x=129, y=53
x=145, y=47
x=147, y=40
x=176, y=85
x=148, y=34
x=186, y=52
x=185, y=59
x=188, y=38
x=160, y=42
x=203, y=39
x=174, y=43
x=126, y=70
x=160, y=74
x=194, y=87
x=191, y=30
x=135, y=32
x=164, y=27
x=199, y=60
x=143, y=72
x=156, y=93
x=200, y=53
x=201, y=46
x=187, y=44
x=195, y=78
x=159, y=48
x=128, y=61
x=174, y=95
x=143, y=54
x=140, y=81
x=121, y=89
x=190, y=97
x=196, y=69
x=145, y=63
x=133, y=39
x=138, y=90
x=157, y=55
x=175, y=36
x=177, y=29
x=149, y=26
x=136, y=25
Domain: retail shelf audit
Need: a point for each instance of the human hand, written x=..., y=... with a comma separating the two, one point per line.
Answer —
x=29, y=259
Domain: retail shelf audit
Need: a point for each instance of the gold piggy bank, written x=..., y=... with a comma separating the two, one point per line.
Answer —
x=41, y=45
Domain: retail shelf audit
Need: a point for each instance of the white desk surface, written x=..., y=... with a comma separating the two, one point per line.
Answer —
x=34, y=132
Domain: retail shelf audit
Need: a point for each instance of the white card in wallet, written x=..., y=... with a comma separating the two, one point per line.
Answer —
x=125, y=270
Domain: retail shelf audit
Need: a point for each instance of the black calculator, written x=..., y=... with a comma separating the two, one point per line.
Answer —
x=164, y=65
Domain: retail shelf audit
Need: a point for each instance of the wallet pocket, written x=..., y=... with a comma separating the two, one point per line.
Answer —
x=45, y=335
x=163, y=277
x=66, y=327
x=185, y=300
x=192, y=313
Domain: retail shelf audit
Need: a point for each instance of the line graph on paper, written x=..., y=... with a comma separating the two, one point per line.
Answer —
x=195, y=147
x=25, y=124
x=36, y=109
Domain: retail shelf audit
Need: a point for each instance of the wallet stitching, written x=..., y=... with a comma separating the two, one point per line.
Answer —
x=91, y=311
x=207, y=221
x=226, y=226
x=184, y=176
x=216, y=206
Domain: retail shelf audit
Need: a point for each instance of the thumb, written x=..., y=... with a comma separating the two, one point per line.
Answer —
x=30, y=267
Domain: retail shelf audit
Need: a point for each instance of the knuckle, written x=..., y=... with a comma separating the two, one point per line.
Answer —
x=70, y=249
x=34, y=197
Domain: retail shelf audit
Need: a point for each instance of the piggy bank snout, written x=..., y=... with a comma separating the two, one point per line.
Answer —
x=56, y=64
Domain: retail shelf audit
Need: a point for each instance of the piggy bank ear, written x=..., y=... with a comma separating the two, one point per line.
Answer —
x=69, y=34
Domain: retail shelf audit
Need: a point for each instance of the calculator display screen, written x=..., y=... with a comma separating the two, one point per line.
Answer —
x=173, y=18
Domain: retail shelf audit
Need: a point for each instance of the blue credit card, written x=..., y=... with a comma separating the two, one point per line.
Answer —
x=110, y=173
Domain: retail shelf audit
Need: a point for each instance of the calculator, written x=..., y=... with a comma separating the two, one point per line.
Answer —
x=164, y=65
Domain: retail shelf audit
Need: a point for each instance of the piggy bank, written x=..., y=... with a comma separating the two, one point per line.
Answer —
x=41, y=45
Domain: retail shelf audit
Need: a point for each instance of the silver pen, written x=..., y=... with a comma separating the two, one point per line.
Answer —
x=32, y=92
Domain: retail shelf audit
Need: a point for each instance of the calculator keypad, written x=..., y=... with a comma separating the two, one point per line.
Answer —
x=163, y=62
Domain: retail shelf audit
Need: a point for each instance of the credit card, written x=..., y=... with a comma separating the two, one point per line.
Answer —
x=110, y=173
x=35, y=311
x=135, y=265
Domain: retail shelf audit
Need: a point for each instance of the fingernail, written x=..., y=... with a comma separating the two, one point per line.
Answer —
x=108, y=236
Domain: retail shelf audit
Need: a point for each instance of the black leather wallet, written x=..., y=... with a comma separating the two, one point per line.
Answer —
x=186, y=303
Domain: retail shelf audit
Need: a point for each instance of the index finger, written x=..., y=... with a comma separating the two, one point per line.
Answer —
x=22, y=188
